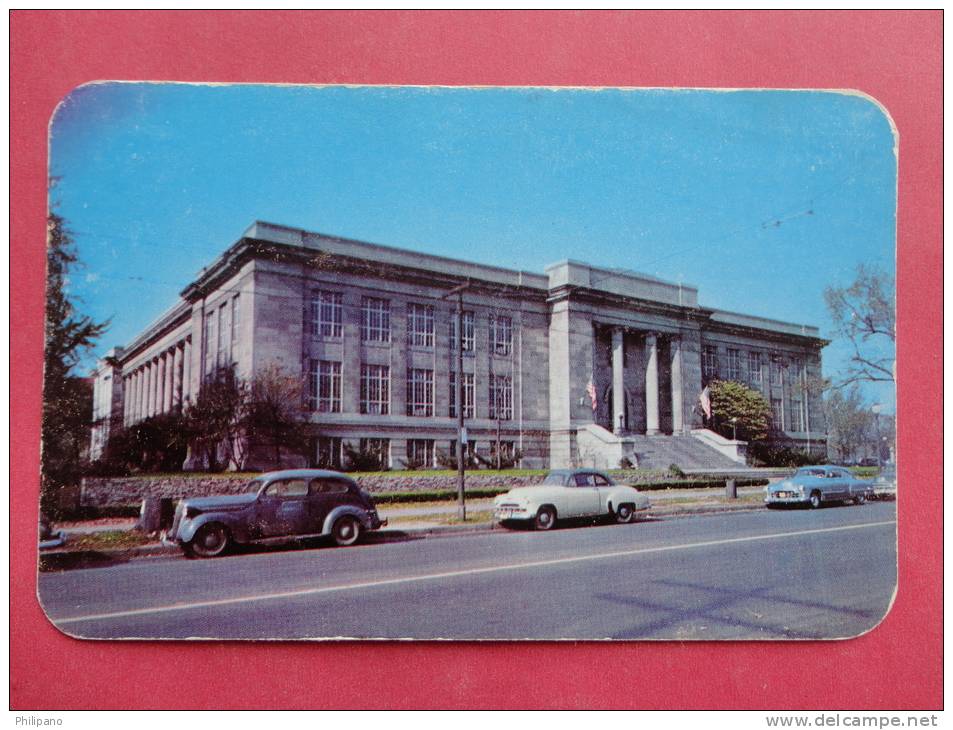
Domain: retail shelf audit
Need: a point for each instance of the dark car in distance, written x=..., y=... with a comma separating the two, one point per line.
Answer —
x=277, y=506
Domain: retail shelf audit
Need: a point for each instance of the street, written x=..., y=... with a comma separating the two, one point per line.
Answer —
x=801, y=574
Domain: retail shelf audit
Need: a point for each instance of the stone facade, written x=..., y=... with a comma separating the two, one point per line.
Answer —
x=369, y=330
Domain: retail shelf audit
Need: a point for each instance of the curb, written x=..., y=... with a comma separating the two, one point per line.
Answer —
x=64, y=555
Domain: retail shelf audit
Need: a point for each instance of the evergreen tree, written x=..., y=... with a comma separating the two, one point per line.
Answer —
x=67, y=398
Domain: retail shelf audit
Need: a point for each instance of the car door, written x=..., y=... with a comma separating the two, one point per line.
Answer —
x=835, y=485
x=603, y=487
x=283, y=508
x=584, y=495
x=326, y=493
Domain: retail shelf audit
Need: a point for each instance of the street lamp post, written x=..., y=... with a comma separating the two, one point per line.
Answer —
x=875, y=408
x=461, y=428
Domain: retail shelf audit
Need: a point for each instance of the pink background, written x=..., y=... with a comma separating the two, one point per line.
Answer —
x=893, y=56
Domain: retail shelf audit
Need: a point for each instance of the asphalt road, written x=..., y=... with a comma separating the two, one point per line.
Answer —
x=798, y=574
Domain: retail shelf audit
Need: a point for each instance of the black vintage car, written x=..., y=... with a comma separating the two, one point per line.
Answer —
x=276, y=506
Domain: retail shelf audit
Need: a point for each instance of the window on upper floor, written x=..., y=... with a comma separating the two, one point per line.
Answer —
x=327, y=314
x=420, y=325
x=419, y=392
x=710, y=362
x=324, y=386
x=469, y=395
x=755, y=376
x=734, y=365
x=501, y=397
x=375, y=320
x=375, y=389
x=501, y=335
x=469, y=339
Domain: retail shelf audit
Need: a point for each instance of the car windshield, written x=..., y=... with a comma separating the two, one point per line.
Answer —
x=555, y=478
x=254, y=486
x=811, y=472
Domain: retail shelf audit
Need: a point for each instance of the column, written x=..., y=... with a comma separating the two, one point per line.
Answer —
x=618, y=384
x=675, y=348
x=651, y=384
x=177, y=377
x=153, y=386
x=187, y=370
x=160, y=382
x=126, y=400
x=140, y=390
x=167, y=398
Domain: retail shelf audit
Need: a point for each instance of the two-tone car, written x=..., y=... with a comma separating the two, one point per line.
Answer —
x=569, y=494
x=815, y=485
x=280, y=505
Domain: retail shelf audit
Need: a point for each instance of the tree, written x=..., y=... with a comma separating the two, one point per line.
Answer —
x=737, y=410
x=273, y=413
x=67, y=399
x=216, y=420
x=864, y=315
x=849, y=422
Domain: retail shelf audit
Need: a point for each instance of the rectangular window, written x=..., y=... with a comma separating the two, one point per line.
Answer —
x=755, y=376
x=236, y=322
x=469, y=341
x=797, y=414
x=375, y=320
x=224, y=336
x=777, y=413
x=469, y=449
x=797, y=369
x=379, y=448
x=506, y=450
x=469, y=395
x=501, y=397
x=327, y=310
x=375, y=389
x=419, y=392
x=327, y=453
x=420, y=453
x=710, y=362
x=734, y=365
x=324, y=391
x=211, y=342
x=776, y=376
x=420, y=325
x=501, y=335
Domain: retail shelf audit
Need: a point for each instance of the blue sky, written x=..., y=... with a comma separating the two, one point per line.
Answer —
x=759, y=198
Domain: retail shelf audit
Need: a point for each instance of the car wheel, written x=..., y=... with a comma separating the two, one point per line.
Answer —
x=346, y=531
x=624, y=514
x=209, y=542
x=860, y=499
x=815, y=500
x=545, y=518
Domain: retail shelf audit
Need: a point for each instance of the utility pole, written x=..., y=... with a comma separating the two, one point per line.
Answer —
x=461, y=428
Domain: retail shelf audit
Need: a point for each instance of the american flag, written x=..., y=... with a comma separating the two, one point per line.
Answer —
x=591, y=391
x=705, y=401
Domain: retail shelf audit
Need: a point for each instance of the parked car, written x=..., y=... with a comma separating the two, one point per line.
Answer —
x=49, y=538
x=569, y=493
x=276, y=506
x=814, y=485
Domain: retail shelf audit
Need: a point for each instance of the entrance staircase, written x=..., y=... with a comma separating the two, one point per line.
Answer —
x=688, y=452
x=704, y=450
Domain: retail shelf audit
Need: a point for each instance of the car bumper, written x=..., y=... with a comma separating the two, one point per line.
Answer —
x=506, y=514
x=786, y=498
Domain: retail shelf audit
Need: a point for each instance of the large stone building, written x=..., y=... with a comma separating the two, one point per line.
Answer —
x=579, y=365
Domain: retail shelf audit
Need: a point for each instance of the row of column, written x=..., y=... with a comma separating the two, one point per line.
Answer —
x=159, y=385
x=651, y=382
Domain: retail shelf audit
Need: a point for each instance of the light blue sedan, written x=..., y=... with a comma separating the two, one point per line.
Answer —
x=814, y=485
